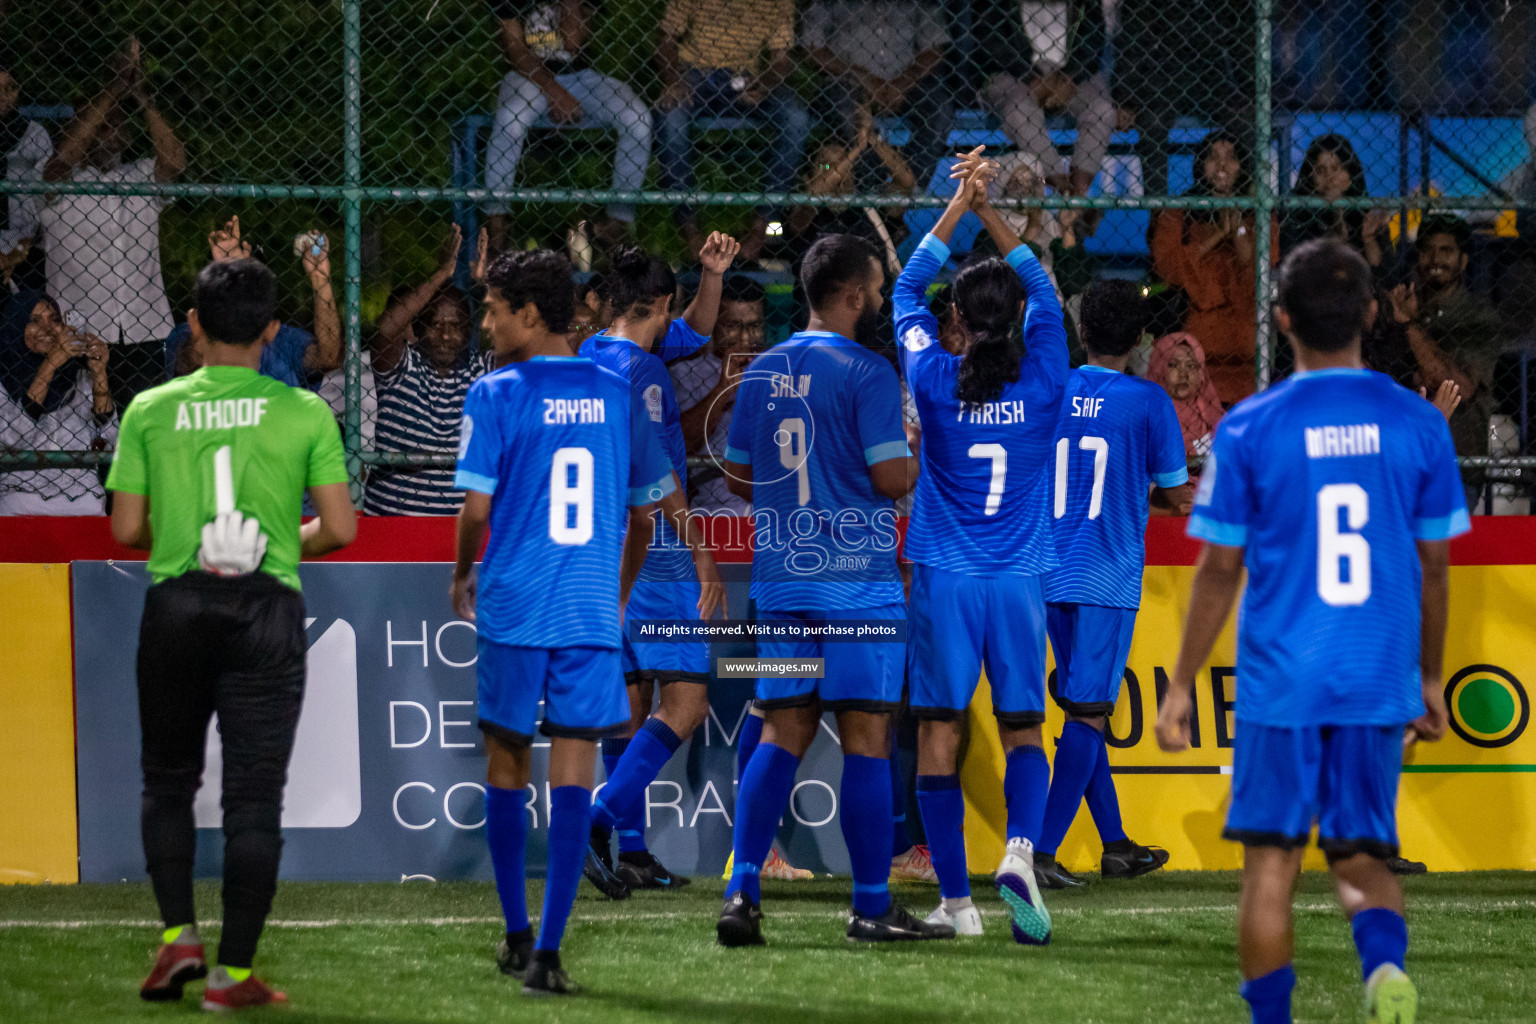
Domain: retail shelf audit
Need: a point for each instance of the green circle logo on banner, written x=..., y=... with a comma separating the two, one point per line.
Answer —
x=1489, y=707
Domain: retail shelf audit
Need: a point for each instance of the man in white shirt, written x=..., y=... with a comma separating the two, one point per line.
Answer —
x=24, y=147
x=104, y=251
x=706, y=386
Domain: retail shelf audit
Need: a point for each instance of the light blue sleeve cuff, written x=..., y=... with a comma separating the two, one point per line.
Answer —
x=1174, y=479
x=935, y=248
x=888, y=450
x=1216, y=532
x=1022, y=255
x=464, y=480
x=1444, y=528
x=655, y=492
x=734, y=454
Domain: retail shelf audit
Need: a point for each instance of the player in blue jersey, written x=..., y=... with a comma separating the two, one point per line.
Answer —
x=1117, y=439
x=817, y=445
x=1339, y=491
x=980, y=538
x=550, y=454
x=678, y=581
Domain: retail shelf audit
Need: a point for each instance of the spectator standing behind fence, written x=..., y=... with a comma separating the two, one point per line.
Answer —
x=26, y=147
x=707, y=385
x=66, y=405
x=1184, y=57
x=1332, y=170
x=1043, y=58
x=551, y=77
x=880, y=58
x=1210, y=255
x=728, y=57
x=422, y=368
x=832, y=174
x=1454, y=335
x=104, y=251
x=295, y=356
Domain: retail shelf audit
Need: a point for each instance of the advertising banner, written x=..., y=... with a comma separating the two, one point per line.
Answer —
x=1466, y=803
x=387, y=779
x=37, y=748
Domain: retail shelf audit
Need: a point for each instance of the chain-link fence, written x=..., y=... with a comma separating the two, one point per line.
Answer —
x=362, y=149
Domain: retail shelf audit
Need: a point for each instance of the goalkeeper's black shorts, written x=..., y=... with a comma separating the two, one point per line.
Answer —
x=235, y=646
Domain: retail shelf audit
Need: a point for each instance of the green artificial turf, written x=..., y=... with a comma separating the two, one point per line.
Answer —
x=1156, y=949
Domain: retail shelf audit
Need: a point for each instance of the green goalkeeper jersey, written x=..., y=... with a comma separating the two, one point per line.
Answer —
x=281, y=441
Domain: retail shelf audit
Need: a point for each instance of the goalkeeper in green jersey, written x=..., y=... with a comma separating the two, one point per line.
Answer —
x=209, y=476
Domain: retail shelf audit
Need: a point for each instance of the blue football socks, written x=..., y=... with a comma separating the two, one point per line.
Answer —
x=1103, y=801
x=1269, y=996
x=1381, y=936
x=865, y=807
x=1026, y=781
x=760, y=801
x=943, y=807
x=1076, y=754
x=570, y=821
x=621, y=804
x=506, y=831
x=746, y=743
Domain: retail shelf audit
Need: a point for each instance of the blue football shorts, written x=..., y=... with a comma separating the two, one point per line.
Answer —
x=959, y=624
x=1091, y=643
x=859, y=675
x=582, y=689
x=670, y=661
x=1342, y=777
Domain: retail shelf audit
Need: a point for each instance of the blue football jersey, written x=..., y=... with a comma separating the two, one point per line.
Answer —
x=1326, y=480
x=651, y=390
x=563, y=453
x=813, y=414
x=983, y=500
x=1116, y=435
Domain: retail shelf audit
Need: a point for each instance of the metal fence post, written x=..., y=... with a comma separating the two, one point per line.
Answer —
x=352, y=212
x=1264, y=196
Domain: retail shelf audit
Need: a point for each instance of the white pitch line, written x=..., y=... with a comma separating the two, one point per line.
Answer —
x=673, y=915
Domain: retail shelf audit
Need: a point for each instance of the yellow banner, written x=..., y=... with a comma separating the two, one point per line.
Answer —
x=38, y=841
x=1466, y=803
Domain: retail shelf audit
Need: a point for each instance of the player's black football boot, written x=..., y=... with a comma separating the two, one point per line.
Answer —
x=1051, y=875
x=545, y=978
x=641, y=870
x=1404, y=866
x=897, y=924
x=741, y=922
x=1127, y=859
x=514, y=953
x=599, y=867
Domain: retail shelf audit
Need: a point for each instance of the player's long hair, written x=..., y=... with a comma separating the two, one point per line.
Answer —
x=635, y=278
x=987, y=297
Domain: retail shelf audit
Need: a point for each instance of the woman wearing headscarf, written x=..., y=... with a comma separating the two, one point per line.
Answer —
x=1332, y=170
x=1178, y=364
x=56, y=399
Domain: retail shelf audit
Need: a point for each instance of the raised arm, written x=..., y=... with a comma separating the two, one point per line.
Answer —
x=79, y=133
x=170, y=154
x=715, y=258
x=325, y=354
x=388, y=344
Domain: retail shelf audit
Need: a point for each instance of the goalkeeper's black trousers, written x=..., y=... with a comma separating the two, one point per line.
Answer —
x=234, y=646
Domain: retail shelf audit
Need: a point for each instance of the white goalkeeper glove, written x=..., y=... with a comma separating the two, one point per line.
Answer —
x=232, y=545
